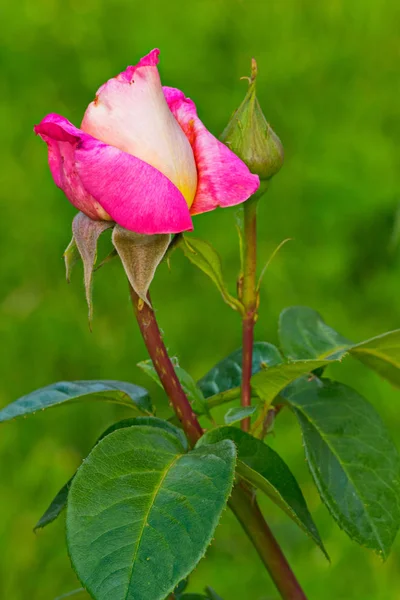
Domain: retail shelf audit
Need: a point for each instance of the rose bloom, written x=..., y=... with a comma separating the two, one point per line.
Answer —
x=142, y=157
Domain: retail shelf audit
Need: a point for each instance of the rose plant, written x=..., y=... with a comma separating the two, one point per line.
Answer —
x=143, y=507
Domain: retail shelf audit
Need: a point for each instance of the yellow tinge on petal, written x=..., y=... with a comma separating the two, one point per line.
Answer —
x=131, y=113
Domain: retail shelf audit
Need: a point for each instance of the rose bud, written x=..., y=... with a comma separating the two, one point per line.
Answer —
x=142, y=159
x=251, y=138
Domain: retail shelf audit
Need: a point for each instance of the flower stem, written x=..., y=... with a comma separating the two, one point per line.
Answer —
x=248, y=296
x=165, y=370
x=241, y=502
x=249, y=515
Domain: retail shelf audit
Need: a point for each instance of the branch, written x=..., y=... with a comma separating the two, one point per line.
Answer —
x=165, y=370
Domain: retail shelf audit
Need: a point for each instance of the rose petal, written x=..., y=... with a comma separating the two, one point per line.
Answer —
x=61, y=139
x=223, y=179
x=130, y=113
x=104, y=182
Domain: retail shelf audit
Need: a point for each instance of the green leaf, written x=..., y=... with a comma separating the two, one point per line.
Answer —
x=205, y=257
x=233, y=415
x=352, y=459
x=227, y=374
x=382, y=354
x=263, y=468
x=60, y=501
x=304, y=334
x=191, y=389
x=56, y=507
x=269, y=383
x=150, y=422
x=66, y=392
x=141, y=512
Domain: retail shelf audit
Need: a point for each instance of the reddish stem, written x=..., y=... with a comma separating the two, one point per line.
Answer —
x=165, y=370
x=249, y=515
x=249, y=299
x=247, y=362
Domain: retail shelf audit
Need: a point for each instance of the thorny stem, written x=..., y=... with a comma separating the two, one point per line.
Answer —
x=248, y=296
x=241, y=502
x=165, y=370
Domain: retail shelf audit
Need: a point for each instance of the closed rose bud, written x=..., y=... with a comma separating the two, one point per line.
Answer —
x=251, y=138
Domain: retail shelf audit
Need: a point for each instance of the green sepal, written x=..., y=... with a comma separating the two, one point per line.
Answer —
x=71, y=258
x=140, y=256
x=86, y=233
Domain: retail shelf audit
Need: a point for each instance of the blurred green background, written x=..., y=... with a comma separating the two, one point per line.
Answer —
x=329, y=85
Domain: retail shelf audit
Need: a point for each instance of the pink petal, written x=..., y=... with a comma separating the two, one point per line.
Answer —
x=130, y=112
x=107, y=183
x=61, y=139
x=223, y=179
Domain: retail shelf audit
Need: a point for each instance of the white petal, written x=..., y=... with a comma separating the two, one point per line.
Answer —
x=130, y=112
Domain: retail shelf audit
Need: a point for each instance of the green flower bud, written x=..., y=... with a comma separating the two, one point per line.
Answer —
x=251, y=138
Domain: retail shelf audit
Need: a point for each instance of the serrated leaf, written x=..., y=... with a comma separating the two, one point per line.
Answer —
x=59, y=503
x=206, y=258
x=304, y=334
x=67, y=392
x=227, y=374
x=191, y=389
x=382, y=354
x=238, y=413
x=150, y=422
x=142, y=512
x=263, y=468
x=269, y=383
x=352, y=459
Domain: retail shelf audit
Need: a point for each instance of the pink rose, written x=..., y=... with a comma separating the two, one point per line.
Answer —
x=142, y=157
